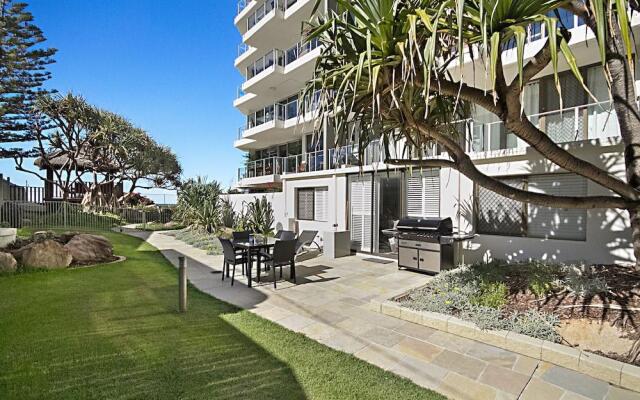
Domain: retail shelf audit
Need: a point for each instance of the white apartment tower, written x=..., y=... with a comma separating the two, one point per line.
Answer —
x=316, y=186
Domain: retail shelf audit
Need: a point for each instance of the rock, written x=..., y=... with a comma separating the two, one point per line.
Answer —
x=66, y=237
x=41, y=236
x=90, y=249
x=7, y=263
x=47, y=254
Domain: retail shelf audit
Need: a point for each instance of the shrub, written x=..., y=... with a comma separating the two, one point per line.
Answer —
x=260, y=216
x=229, y=216
x=535, y=324
x=581, y=280
x=491, y=294
x=473, y=294
x=199, y=205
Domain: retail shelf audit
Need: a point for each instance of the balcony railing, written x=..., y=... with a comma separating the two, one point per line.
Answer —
x=280, y=58
x=242, y=4
x=349, y=156
x=273, y=57
x=242, y=48
x=281, y=111
x=263, y=167
x=346, y=156
x=571, y=124
x=300, y=49
x=267, y=8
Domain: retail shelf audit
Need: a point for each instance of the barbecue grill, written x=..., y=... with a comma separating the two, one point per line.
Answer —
x=425, y=244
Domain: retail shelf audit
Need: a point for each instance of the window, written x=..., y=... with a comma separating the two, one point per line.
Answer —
x=312, y=204
x=423, y=194
x=305, y=204
x=498, y=215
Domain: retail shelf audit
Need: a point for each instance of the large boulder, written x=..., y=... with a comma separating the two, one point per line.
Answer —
x=47, y=254
x=90, y=249
x=7, y=262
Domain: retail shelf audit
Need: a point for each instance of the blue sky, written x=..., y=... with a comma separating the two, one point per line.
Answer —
x=165, y=65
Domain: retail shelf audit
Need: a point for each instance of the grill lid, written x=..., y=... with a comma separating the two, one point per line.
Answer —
x=442, y=226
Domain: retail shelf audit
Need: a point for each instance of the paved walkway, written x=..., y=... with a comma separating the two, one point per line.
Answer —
x=330, y=304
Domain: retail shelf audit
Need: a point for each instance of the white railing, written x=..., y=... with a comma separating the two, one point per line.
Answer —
x=300, y=49
x=242, y=4
x=281, y=111
x=242, y=48
x=342, y=157
x=263, y=167
x=267, y=8
x=583, y=122
x=273, y=57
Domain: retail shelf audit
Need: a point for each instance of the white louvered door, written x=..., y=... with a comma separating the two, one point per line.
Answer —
x=360, y=195
x=321, y=202
x=423, y=193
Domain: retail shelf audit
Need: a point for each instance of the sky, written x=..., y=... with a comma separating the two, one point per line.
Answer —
x=165, y=65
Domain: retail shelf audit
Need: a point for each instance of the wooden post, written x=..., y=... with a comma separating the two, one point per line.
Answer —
x=182, y=284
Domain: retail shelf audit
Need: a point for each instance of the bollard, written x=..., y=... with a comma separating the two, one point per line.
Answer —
x=182, y=284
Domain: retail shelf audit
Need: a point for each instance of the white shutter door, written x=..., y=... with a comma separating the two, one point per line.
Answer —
x=360, y=195
x=423, y=194
x=557, y=223
x=321, y=203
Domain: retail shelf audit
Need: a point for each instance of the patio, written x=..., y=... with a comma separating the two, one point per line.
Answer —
x=330, y=304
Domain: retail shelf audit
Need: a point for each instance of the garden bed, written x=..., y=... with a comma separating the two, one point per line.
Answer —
x=593, y=308
x=200, y=239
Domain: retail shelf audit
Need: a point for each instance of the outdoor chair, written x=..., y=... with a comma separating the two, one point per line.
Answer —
x=306, y=238
x=231, y=257
x=286, y=235
x=284, y=252
x=241, y=236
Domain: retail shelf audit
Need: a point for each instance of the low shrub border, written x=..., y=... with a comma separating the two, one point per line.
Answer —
x=613, y=371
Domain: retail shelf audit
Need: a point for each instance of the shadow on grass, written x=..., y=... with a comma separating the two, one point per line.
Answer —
x=114, y=333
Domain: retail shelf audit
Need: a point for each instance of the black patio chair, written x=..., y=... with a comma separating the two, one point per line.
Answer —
x=231, y=257
x=284, y=253
x=306, y=238
x=286, y=235
x=241, y=236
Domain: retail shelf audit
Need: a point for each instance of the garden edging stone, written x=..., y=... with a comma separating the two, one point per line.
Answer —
x=613, y=371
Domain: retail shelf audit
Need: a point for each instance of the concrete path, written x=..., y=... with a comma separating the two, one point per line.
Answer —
x=330, y=304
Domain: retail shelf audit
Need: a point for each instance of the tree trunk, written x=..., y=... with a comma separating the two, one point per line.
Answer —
x=624, y=104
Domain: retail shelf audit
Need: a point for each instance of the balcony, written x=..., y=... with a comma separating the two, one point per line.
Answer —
x=276, y=123
x=270, y=170
x=245, y=53
x=278, y=73
x=585, y=122
x=263, y=25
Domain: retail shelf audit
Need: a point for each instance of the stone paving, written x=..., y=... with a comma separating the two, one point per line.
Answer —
x=330, y=304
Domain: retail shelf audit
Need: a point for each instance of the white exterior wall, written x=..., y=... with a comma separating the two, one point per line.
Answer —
x=337, y=203
x=608, y=231
x=276, y=200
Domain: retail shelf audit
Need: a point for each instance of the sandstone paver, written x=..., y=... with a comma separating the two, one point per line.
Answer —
x=330, y=304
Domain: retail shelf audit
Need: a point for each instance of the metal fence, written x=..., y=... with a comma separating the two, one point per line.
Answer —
x=65, y=215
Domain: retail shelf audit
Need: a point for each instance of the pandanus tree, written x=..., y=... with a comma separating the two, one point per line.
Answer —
x=391, y=70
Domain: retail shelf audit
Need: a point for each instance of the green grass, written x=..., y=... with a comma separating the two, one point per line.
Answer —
x=113, y=332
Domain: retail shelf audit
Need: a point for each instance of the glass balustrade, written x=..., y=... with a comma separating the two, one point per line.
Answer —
x=591, y=121
x=267, y=8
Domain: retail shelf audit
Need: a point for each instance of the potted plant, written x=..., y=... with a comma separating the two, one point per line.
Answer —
x=7, y=234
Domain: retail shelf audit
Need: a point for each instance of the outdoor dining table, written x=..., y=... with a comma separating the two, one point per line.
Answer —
x=253, y=247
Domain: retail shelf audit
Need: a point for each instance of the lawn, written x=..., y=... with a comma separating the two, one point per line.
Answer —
x=113, y=332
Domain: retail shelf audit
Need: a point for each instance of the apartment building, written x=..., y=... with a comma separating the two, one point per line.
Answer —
x=320, y=187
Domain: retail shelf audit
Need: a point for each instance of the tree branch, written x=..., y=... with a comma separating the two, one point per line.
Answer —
x=463, y=163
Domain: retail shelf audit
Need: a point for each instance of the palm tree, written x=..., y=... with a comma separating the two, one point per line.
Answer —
x=390, y=69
